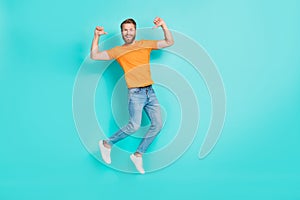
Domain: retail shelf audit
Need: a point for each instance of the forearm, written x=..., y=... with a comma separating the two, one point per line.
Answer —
x=95, y=53
x=95, y=47
x=168, y=35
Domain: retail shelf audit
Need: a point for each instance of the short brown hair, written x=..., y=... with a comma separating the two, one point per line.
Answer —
x=128, y=21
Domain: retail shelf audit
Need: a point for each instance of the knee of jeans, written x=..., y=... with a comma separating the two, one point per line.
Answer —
x=132, y=127
x=157, y=126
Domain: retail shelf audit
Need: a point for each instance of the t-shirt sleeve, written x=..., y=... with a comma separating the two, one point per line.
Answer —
x=152, y=44
x=112, y=53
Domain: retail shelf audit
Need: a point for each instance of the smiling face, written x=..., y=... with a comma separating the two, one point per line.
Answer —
x=128, y=33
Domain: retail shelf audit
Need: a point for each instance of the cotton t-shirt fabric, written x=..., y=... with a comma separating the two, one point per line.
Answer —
x=135, y=61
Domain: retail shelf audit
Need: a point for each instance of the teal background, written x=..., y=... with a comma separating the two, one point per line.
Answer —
x=255, y=45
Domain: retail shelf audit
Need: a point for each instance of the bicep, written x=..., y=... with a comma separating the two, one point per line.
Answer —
x=102, y=55
x=162, y=44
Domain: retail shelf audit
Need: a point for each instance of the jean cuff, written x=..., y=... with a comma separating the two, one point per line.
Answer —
x=108, y=142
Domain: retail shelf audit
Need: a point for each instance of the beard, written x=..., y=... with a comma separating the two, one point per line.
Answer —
x=128, y=39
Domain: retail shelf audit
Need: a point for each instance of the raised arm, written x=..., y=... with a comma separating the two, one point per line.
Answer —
x=96, y=54
x=168, y=41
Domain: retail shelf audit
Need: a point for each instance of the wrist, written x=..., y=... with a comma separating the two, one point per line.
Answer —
x=164, y=26
x=96, y=36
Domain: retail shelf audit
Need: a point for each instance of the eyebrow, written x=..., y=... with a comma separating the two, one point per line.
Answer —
x=128, y=29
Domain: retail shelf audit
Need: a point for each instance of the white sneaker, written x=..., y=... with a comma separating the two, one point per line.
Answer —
x=105, y=152
x=138, y=162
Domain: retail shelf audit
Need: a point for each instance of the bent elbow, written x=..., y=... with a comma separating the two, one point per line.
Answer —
x=92, y=56
x=170, y=43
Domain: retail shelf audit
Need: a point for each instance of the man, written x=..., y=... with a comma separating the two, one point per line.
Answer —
x=134, y=58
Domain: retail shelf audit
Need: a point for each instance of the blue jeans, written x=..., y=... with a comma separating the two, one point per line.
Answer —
x=139, y=99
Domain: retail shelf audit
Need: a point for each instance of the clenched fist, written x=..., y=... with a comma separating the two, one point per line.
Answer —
x=99, y=30
x=158, y=22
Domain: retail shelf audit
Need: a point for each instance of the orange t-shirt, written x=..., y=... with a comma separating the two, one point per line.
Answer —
x=135, y=61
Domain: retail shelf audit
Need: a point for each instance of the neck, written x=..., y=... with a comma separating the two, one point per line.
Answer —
x=128, y=44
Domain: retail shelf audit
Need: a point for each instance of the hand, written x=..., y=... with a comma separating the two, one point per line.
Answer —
x=158, y=22
x=99, y=30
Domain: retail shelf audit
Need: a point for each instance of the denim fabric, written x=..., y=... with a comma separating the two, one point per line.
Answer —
x=139, y=99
